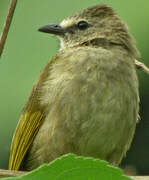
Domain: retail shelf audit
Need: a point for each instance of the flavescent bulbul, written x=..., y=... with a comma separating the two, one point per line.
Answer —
x=85, y=101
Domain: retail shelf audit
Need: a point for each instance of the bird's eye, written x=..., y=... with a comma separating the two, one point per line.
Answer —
x=82, y=25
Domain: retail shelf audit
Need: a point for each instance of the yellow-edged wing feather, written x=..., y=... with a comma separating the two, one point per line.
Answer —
x=30, y=122
x=26, y=131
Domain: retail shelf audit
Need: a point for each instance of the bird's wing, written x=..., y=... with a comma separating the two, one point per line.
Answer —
x=30, y=121
x=27, y=129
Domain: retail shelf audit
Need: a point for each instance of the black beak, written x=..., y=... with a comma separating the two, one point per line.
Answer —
x=52, y=29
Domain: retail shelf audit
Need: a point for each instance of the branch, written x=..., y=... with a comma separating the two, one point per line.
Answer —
x=8, y=173
x=140, y=177
x=141, y=66
x=7, y=25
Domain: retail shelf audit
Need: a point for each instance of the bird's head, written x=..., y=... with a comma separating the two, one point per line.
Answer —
x=95, y=26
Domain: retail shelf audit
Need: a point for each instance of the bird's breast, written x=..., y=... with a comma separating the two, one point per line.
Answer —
x=91, y=107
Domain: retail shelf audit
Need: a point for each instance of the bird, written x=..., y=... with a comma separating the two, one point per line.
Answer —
x=86, y=99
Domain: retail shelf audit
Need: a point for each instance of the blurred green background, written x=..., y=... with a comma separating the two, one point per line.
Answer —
x=27, y=51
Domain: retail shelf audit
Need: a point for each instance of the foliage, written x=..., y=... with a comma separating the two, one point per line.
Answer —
x=72, y=167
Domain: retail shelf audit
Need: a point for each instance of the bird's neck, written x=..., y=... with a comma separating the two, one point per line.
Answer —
x=100, y=42
x=103, y=43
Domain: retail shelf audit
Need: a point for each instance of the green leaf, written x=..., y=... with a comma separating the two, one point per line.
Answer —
x=72, y=167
